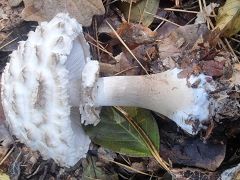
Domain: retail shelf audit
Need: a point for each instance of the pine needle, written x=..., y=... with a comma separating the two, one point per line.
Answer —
x=180, y=10
x=124, y=44
x=3, y=46
x=98, y=44
x=146, y=139
x=129, y=11
x=7, y=155
x=163, y=19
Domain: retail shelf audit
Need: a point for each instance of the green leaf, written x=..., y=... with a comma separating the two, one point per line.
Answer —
x=91, y=171
x=228, y=19
x=116, y=133
x=4, y=176
x=150, y=6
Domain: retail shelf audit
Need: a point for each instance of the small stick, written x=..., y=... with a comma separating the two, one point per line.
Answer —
x=7, y=155
x=8, y=43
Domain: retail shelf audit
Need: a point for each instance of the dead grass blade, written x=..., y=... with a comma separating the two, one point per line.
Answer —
x=96, y=35
x=6, y=156
x=8, y=43
x=125, y=70
x=180, y=10
x=146, y=139
x=231, y=49
x=129, y=12
x=200, y=5
x=163, y=19
x=124, y=44
x=98, y=45
x=224, y=44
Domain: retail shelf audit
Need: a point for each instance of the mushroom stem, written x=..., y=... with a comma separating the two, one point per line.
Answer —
x=164, y=93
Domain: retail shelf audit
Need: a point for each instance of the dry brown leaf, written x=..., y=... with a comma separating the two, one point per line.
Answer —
x=136, y=34
x=213, y=68
x=228, y=19
x=44, y=10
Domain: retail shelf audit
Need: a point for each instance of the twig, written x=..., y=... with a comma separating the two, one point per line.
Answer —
x=8, y=43
x=231, y=49
x=5, y=157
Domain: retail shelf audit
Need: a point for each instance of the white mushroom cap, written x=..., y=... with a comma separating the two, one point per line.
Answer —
x=37, y=85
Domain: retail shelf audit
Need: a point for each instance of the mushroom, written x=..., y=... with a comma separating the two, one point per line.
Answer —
x=37, y=85
x=50, y=81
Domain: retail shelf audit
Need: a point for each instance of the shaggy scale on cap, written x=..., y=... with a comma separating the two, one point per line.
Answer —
x=36, y=88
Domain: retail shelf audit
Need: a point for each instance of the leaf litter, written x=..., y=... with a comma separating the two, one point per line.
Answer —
x=82, y=10
x=190, y=47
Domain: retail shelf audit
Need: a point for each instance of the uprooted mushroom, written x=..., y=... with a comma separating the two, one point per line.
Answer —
x=51, y=75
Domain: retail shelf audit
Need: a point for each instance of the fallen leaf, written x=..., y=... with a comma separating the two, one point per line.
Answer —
x=44, y=10
x=4, y=176
x=140, y=11
x=179, y=40
x=213, y=68
x=135, y=34
x=188, y=151
x=92, y=171
x=117, y=134
x=228, y=19
x=14, y=3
